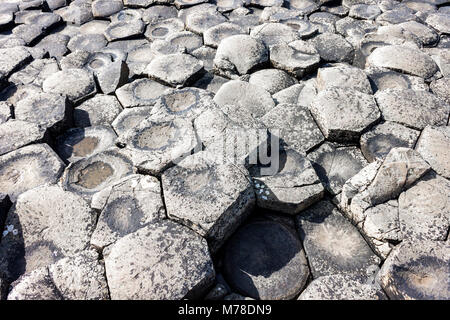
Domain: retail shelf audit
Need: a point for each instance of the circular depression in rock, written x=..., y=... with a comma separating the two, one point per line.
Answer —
x=265, y=260
x=157, y=136
x=94, y=174
x=180, y=101
x=85, y=147
x=123, y=215
x=160, y=32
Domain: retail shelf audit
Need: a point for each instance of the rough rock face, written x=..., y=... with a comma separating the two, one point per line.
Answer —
x=81, y=277
x=210, y=198
x=295, y=147
x=341, y=287
x=417, y=271
x=397, y=199
x=333, y=245
x=160, y=261
x=47, y=224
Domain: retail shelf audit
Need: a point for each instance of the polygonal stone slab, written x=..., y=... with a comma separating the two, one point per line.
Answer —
x=333, y=245
x=214, y=35
x=333, y=48
x=28, y=33
x=439, y=21
x=12, y=58
x=245, y=95
x=126, y=206
x=181, y=42
x=336, y=164
x=201, y=21
x=294, y=186
x=6, y=110
x=417, y=270
x=239, y=54
x=426, y=34
x=187, y=103
x=441, y=88
x=160, y=30
x=274, y=33
x=156, y=13
x=415, y=109
x=76, y=84
x=28, y=167
x=382, y=79
x=174, y=69
x=35, y=73
x=35, y=285
x=81, y=277
x=433, y=146
x=129, y=119
x=16, y=133
x=90, y=175
x=160, y=261
x=196, y=182
x=48, y=224
x=392, y=57
x=99, y=110
x=232, y=134
x=343, y=76
x=382, y=138
x=265, y=260
x=124, y=30
x=294, y=125
x=424, y=209
x=154, y=145
x=297, y=57
x=105, y=8
x=141, y=92
x=79, y=143
x=273, y=80
x=341, y=287
x=343, y=113
x=87, y=42
x=48, y=110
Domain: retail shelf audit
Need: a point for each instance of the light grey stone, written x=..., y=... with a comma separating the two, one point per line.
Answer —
x=391, y=57
x=79, y=143
x=333, y=245
x=415, y=109
x=297, y=57
x=245, y=95
x=153, y=145
x=417, y=271
x=343, y=113
x=49, y=224
x=160, y=261
x=341, y=287
x=175, y=69
x=76, y=84
x=16, y=133
x=99, y=110
x=141, y=92
x=239, y=54
x=191, y=185
x=28, y=167
x=433, y=147
x=126, y=206
x=378, y=141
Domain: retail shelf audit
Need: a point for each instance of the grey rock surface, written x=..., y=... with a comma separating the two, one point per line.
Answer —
x=170, y=262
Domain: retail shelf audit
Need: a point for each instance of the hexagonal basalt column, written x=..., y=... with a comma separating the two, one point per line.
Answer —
x=154, y=145
x=90, y=175
x=28, y=167
x=210, y=197
x=160, y=261
x=48, y=223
